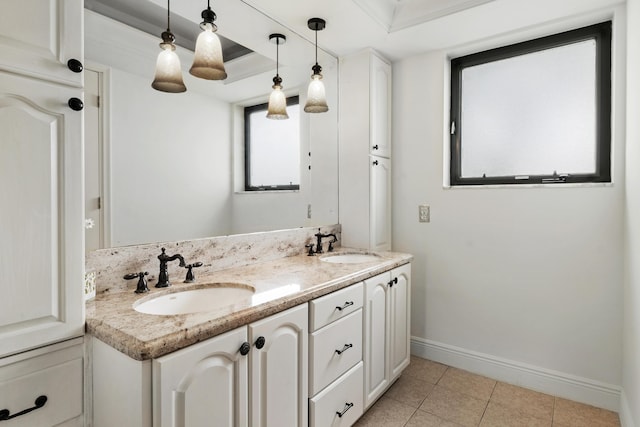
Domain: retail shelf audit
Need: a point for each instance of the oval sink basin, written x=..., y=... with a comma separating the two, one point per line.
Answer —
x=196, y=300
x=350, y=258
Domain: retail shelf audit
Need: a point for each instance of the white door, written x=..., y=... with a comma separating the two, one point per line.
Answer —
x=41, y=215
x=93, y=173
x=400, y=318
x=279, y=369
x=376, y=337
x=204, y=385
x=39, y=37
x=380, y=204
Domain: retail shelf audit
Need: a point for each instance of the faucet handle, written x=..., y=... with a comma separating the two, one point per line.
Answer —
x=141, y=287
x=310, y=246
x=190, y=276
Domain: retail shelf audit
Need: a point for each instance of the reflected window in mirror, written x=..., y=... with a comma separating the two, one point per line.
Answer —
x=272, y=148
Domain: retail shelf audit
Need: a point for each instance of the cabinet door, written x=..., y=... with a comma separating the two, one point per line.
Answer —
x=203, y=385
x=38, y=37
x=376, y=337
x=380, y=109
x=380, y=204
x=279, y=370
x=41, y=212
x=400, y=317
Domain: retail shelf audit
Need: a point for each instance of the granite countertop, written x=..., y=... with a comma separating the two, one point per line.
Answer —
x=279, y=284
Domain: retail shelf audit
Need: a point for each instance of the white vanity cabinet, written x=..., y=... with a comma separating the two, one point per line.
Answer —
x=365, y=151
x=335, y=358
x=386, y=330
x=213, y=383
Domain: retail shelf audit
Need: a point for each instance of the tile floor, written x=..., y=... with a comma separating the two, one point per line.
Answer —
x=431, y=394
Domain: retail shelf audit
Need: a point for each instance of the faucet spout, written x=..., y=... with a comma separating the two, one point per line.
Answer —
x=163, y=276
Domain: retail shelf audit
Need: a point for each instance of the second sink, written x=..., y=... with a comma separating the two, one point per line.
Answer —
x=196, y=300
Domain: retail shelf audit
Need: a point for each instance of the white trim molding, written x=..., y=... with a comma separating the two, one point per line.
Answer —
x=556, y=383
x=626, y=420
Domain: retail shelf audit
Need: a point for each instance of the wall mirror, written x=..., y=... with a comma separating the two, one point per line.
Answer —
x=170, y=166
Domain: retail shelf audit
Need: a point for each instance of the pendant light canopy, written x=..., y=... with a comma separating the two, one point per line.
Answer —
x=207, y=61
x=277, y=108
x=316, y=97
x=168, y=76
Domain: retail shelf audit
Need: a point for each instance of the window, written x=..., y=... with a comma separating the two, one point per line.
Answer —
x=272, y=149
x=534, y=112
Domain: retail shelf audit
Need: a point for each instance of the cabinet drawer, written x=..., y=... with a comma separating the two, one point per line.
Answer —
x=345, y=393
x=57, y=375
x=334, y=306
x=334, y=349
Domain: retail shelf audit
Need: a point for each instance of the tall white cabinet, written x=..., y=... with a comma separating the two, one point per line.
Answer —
x=365, y=151
x=41, y=208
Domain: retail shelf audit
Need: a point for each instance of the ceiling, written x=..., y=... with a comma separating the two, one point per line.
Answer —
x=396, y=28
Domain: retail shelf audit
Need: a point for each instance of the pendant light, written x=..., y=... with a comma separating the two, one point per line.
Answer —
x=207, y=61
x=168, y=76
x=316, y=98
x=277, y=108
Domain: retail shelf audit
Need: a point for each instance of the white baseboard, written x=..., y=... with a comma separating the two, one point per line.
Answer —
x=543, y=380
x=626, y=419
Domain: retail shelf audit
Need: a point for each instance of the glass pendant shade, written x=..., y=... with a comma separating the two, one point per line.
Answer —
x=168, y=76
x=207, y=62
x=277, y=108
x=316, y=97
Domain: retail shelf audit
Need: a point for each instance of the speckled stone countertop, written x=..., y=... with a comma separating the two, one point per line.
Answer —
x=279, y=284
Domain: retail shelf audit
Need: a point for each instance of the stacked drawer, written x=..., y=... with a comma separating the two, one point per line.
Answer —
x=335, y=358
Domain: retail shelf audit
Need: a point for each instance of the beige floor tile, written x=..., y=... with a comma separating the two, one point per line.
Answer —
x=467, y=383
x=497, y=415
x=425, y=419
x=425, y=370
x=409, y=391
x=529, y=402
x=386, y=413
x=454, y=406
x=573, y=414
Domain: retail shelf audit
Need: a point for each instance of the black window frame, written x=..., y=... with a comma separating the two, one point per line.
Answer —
x=291, y=100
x=601, y=33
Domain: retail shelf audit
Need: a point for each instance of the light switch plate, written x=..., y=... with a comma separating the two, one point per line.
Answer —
x=424, y=213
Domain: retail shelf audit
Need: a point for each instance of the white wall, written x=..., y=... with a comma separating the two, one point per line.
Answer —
x=531, y=277
x=630, y=408
x=170, y=165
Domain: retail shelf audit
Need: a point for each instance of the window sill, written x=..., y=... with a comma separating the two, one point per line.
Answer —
x=523, y=186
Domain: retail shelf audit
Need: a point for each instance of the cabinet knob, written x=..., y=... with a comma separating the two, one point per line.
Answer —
x=393, y=281
x=260, y=342
x=76, y=104
x=75, y=65
x=375, y=163
x=244, y=348
x=375, y=147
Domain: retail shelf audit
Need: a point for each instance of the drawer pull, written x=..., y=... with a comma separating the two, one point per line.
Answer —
x=39, y=403
x=345, y=348
x=346, y=304
x=347, y=406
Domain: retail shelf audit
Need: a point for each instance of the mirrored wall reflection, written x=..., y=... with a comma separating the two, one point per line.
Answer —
x=172, y=164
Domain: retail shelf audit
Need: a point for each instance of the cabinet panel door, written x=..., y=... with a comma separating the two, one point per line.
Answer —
x=400, y=318
x=380, y=109
x=41, y=256
x=38, y=37
x=376, y=337
x=380, y=204
x=279, y=369
x=203, y=385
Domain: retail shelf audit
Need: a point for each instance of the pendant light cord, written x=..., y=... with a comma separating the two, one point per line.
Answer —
x=169, y=16
x=278, y=56
x=316, y=47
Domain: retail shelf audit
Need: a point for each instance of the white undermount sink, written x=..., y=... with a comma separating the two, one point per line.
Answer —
x=350, y=258
x=196, y=300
